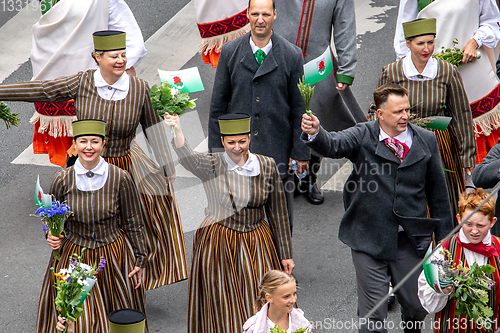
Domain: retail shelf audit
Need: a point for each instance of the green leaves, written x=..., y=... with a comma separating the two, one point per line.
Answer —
x=277, y=329
x=454, y=55
x=8, y=118
x=168, y=99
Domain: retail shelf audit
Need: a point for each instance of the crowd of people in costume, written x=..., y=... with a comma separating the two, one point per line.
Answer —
x=89, y=106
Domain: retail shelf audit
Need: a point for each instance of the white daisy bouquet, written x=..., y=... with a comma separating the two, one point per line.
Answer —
x=73, y=285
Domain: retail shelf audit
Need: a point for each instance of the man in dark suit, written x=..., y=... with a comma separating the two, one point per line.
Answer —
x=396, y=175
x=487, y=175
x=258, y=74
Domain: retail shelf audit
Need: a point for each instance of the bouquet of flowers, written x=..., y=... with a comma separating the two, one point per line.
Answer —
x=307, y=92
x=73, y=285
x=277, y=329
x=52, y=212
x=8, y=118
x=471, y=288
x=168, y=99
x=454, y=55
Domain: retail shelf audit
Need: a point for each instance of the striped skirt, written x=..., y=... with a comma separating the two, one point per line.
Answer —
x=162, y=224
x=113, y=290
x=225, y=274
x=448, y=147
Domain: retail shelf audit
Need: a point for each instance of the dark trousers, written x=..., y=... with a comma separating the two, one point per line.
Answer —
x=373, y=276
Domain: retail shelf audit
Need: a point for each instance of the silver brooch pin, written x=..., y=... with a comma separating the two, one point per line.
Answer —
x=90, y=174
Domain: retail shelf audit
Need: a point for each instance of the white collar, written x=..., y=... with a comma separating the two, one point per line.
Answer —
x=248, y=166
x=402, y=137
x=463, y=238
x=429, y=72
x=100, y=168
x=266, y=48
x=122, y=83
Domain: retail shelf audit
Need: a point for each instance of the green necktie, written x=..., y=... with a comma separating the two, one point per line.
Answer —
x=260, y=55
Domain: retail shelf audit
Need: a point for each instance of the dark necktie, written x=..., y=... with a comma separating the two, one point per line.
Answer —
x=260, y=55
x=400, y=149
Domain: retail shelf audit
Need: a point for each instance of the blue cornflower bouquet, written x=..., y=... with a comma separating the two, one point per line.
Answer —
x=471, y=288
x=73, y=285
x=53, y=214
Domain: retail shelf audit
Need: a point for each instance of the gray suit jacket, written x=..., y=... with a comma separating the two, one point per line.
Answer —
x=382, y=193
x=486, y=175
x=336, y=110
x=268, y=93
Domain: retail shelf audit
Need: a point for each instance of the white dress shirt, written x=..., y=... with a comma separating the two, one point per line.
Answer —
x=114, y=92
x=411, y=72
x=266, y=48
x=406, y=137
x=85, y=183
x=251, y=168
x=433, y=301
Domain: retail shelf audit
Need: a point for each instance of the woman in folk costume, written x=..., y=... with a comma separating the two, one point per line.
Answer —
x=473, y=244
x=107, y=221
x=310, y=25
x=234, y=246
x=124, y=102
x=475, y=24
x=219, y=22
x=435, y=88
x=62, y=43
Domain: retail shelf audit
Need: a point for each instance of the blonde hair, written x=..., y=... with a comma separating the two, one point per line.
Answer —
x=269, y=283
x=473, y=199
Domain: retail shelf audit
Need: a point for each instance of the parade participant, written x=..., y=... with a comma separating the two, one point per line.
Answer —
x=311, y=25
x=474, y=25
x=219, y=22
x=107, y=221
x=435, y=89
x=62, y=42
x=259, y=72
x=487, y=175
x=124, y=102
x=234, y=245
x=275, y=305
x=397, y=169
x=473, y=244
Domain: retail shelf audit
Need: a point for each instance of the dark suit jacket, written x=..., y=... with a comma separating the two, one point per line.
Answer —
x=382, y=192
x=486, y=175
x=268, y=93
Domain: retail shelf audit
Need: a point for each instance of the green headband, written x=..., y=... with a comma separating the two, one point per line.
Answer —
x=234, y=126
x=419, y=27
x=110, y=42
x=89, y=127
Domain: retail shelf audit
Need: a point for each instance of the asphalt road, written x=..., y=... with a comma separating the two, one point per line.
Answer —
x=324, y=269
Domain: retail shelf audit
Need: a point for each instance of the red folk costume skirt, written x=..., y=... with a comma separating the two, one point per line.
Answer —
x=226, y=270
x=166, y=262
x=114, y=289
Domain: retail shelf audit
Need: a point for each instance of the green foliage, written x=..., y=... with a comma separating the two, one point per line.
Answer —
x=277, y=329
x=9, y=118
x=454, y=55
x=168, y=99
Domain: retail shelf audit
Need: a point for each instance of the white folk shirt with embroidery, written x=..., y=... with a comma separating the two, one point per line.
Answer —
x=84, y=183
x=251, y=168
x=266, y=48
x=114, y=92
x=410, y=71
x=433, y=301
